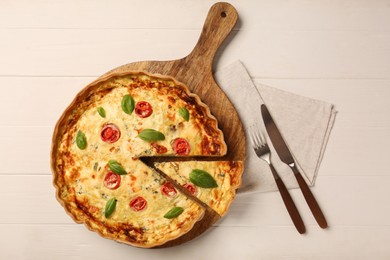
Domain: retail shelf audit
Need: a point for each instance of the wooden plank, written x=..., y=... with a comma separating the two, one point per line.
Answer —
x=37, y=101
x=57, y=92
x=27, y=152
x=363, y=127
x=271, y=15
x=367, y=203
x=39, y=206
x=73, y=242
x=88, y=14
x=291, y=54
x=359, y=129
x=91, y=52
x=357, y=100
x=311, y=54
x=352, y=144
x=345, y=201
x=363, y=151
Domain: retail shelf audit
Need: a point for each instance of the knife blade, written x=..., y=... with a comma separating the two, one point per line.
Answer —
x=286, y=157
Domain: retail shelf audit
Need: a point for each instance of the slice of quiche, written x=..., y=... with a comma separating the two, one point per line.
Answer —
x=214, y=183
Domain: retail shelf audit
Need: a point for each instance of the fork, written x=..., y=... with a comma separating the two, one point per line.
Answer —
x=263, y=152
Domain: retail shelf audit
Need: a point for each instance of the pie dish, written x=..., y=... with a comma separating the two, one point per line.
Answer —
x=98, y=144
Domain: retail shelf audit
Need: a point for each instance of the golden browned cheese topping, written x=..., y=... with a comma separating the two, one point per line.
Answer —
x=96, y=147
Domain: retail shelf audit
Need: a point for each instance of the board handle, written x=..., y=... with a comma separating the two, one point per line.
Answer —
x=220, y=21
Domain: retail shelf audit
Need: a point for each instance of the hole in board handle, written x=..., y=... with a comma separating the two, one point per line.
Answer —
x=223, y=14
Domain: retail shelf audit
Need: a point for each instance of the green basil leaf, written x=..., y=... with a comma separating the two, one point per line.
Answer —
x=110, y=207
x=150, y=135
x=184, y=113
x=101, y=111
x=202, y=179
x=174, y=212
x=81, y=140
x=116, y=167
x=127, y=104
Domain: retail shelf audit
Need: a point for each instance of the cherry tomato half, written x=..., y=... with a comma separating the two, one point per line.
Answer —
x=110, y=133
x=181, y=146
x=191, y=188
x=160, y=149
x=143, y=109
x=168, y=190
x=138, y=203
x=112, y=180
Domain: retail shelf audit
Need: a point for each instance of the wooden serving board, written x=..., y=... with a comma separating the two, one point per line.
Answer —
x=195, y=71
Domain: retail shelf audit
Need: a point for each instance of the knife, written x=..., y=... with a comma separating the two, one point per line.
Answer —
x=286, y=157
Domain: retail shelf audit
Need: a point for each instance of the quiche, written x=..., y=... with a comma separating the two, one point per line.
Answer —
x=214, y=183
x=98, y=144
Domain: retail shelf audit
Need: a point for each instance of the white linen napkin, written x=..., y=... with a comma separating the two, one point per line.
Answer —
x=304, y=123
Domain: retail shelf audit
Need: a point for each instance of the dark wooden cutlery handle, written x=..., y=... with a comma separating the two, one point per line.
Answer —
x=288, y=202
x=309, y=197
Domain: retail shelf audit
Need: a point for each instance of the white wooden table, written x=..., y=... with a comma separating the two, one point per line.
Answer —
x=337, y=51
